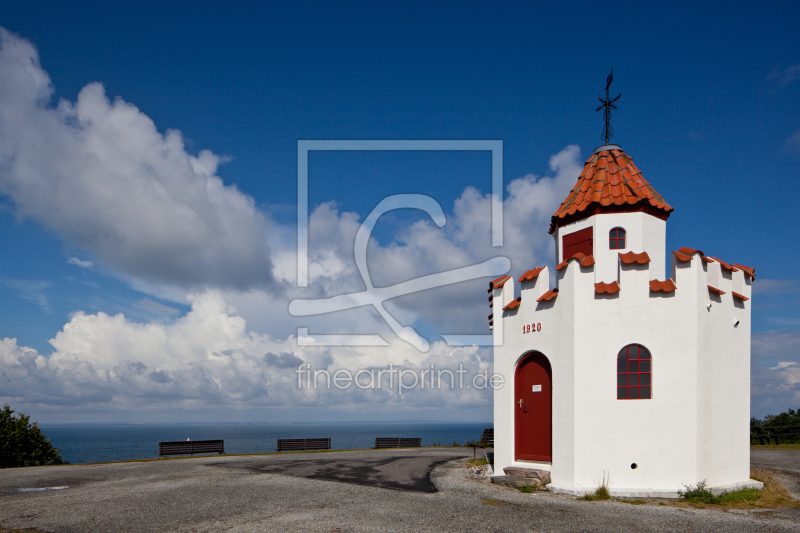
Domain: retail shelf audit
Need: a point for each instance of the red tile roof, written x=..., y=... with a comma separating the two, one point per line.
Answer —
x=740, y=296
x=531, y=274
x=549, y=295
x=714, y=289
x=662, y=286
x=607, y=288
x=496, y=284
x=609, y=183
x=513, y=304
x=586, y=260
x=630, y=258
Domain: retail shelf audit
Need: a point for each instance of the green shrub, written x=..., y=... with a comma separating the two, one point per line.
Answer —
x=698, y=493
x=23, y=443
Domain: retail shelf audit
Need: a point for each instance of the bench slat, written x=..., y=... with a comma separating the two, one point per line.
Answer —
x=398, y=442
x=191, y=447
x=294, y=445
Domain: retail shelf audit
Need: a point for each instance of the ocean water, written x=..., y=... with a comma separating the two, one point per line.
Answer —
x=107, y=442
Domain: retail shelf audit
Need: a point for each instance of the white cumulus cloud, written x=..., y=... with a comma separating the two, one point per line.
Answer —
x=99, y=174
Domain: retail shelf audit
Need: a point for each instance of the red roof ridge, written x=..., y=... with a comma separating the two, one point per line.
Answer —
x=496, y=284
x=609, y=182
x=632, y=257
x=662, y=286
x=530, y=274
x=513, y=304
x=549, y=295
x=585, y=260
x=607, y=288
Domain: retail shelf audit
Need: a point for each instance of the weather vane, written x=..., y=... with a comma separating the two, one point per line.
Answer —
x=608, y=105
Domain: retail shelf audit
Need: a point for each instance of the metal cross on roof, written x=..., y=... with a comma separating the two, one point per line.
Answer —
x=608, y=105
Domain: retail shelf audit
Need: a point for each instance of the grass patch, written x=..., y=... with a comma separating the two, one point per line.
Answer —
x=494, y=502
x=775, y=447
x=527, y=489
x=477, y=462
x=773, y=496
x=601, y=493
x=632, y=501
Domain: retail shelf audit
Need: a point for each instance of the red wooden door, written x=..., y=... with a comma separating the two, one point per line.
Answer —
x=533, y=408
x=578, y=241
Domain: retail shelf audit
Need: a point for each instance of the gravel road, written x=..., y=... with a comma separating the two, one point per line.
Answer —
x=325, y=492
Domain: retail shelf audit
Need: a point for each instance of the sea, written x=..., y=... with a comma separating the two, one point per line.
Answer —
x=92, y=443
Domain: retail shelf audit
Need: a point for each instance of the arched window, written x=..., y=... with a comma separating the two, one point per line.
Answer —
x=616, y=239
x=634, y=373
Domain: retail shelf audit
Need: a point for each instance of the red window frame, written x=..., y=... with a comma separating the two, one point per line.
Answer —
x=616, y=239
x=634, y=373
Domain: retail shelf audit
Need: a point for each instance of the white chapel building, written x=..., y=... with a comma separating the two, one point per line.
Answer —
x=623, y=373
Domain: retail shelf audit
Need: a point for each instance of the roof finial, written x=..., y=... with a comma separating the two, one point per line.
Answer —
x=608, y=105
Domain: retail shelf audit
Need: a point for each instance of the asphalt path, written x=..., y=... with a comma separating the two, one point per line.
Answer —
x=370, y=491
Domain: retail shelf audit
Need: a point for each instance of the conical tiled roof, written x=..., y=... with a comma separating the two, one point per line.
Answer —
x=609, y=183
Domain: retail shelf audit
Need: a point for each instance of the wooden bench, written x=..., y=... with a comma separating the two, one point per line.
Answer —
x=487, y=441
x=191, y=447
x=303, y=445
x=397, y=442
x=774, y=432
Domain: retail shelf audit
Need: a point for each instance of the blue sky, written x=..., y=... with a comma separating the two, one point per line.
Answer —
x=710, y=112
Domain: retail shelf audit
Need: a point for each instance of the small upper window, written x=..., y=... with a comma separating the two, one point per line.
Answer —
x=616, y=239
x=634, y=373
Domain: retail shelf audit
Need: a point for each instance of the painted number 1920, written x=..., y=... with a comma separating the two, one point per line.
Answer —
x=532, y=328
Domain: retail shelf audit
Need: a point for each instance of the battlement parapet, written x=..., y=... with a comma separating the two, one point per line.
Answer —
x=706, y=277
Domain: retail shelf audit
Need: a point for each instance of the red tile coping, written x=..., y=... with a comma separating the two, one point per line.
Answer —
x=684, y=254
x=491, y=316
x=609, y=183
x=662, y=286
x=714, y=289
x=606, y=288
x=549, y=295
x=496, y=284
x=747, y=270
x=530, y=274
x=742, y=297
x=630, y=258
x=513, y=304
x=725, y=265
x=690, y=251
x=682, y=257
x=586, y=260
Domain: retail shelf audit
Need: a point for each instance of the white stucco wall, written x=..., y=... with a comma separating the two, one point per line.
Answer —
x=644, y=233
x=696, y=425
